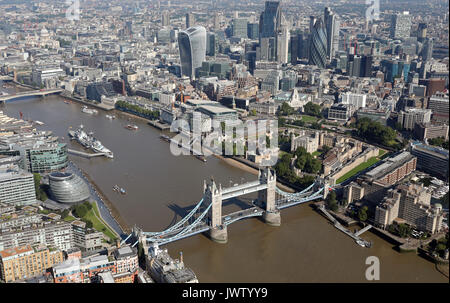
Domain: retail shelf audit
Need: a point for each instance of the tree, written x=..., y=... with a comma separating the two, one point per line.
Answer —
x=87, y=205
x=286, y=110
x=89, y=224
x=65, y=213
x=375, y=132
x=331, y=201
x=313, y=109
x=403, y=230
x=39, y=189
x=80, y=210
x=362, y=213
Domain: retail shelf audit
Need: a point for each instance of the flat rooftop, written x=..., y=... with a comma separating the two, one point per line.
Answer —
x=389, y=165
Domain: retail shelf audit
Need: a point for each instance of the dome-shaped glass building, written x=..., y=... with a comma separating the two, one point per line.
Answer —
x=68, y=188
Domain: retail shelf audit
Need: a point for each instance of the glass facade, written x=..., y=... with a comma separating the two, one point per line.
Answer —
x=270, y=19
x=68, y=188
x=192, y=45
x=48, y=158
x=318, y=45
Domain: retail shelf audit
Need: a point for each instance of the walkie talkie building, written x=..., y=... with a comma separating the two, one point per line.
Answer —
x=192, y=45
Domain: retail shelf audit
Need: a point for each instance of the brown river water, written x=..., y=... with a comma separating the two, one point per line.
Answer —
x=161, y=187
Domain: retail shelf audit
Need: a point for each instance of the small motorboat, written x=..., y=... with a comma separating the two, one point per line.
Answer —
x=132, y=127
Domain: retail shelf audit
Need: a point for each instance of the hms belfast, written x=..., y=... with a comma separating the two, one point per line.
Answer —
x=88, y=141
x=163, y=269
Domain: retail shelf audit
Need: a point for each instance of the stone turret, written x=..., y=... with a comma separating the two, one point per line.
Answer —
x=213, y=195
x=267, y=199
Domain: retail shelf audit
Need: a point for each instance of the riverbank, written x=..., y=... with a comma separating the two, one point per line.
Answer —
x=114, y=212
x=88, y=103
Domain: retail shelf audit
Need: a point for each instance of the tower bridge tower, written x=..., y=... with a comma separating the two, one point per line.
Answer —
x=266, y=197
x=212, y=194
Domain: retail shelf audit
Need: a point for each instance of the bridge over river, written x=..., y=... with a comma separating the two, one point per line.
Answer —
x=206, y=216
x=43, y=93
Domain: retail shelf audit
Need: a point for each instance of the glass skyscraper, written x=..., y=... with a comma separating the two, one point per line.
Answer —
x=401, y=26
x=270, y=19
x=318, y=44
x=332, y=28
x=192, y=45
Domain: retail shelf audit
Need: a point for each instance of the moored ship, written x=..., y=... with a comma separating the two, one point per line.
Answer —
x=88, y=110
x=88, y=140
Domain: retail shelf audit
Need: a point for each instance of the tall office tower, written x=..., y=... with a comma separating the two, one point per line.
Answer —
x=216, y=21
x=128, y=28
x=332, y=27
x=192, y=44
x=303, y=45
x=239, y=27
x=294, y=41
x=312, y=21
x=427, y=49
x=283, y=37
x=391, y=70
x=401, y=26
x=190, y=20
x=354, y=65
x=211, y=44
x=318, y=44
x=366, y=66
x=267, y=49
x=422, y=32
x=253, y=30
x=165, y=18
x=270, y=20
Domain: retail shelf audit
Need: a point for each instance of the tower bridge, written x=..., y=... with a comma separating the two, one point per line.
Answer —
x=206, y=216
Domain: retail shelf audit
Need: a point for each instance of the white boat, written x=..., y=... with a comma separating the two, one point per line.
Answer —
x=132, y=127
x=39, y=122
x=88, y=110
x=361, y=243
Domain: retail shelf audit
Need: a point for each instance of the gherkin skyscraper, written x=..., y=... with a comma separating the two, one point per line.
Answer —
x=318, y=44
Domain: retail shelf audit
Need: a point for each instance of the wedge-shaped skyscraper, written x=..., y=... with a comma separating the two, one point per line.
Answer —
x=192, y=44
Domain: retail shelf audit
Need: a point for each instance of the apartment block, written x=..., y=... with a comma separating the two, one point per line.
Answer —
x=24, y=262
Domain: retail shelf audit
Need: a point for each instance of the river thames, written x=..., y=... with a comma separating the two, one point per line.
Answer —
x=305, y=248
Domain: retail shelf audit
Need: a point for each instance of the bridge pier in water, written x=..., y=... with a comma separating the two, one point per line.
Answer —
x=213, y=195
x=266, y=197
x=206, y=217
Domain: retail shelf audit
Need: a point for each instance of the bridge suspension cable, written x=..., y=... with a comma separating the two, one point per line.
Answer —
x=284, y=193
x=184, y=231
x=178, y=224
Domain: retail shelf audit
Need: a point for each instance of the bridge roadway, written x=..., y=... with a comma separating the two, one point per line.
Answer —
x=228, y=219
x=30, y=94
x=203, y=226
